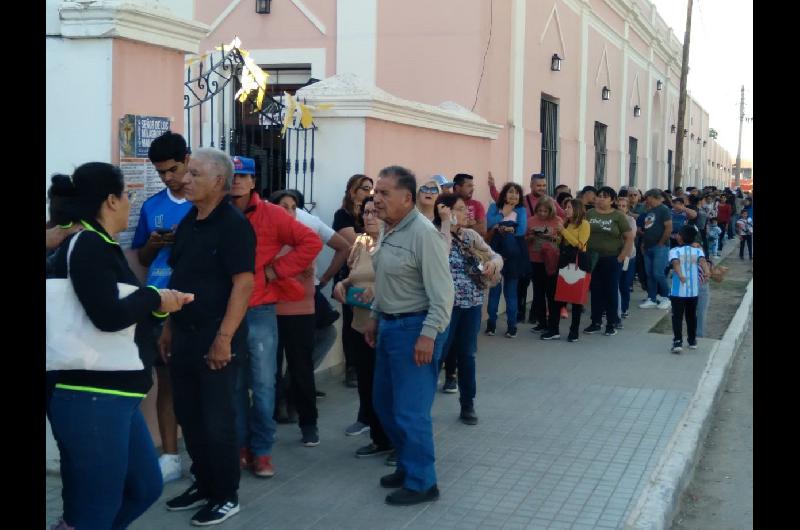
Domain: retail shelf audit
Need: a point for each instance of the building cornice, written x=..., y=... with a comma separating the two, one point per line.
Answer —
x=113, y=19
x=351, y=97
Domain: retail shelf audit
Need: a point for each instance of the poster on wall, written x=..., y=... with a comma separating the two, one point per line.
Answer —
x=136, y=133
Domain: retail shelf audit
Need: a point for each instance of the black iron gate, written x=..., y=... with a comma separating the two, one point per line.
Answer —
x=283, y=159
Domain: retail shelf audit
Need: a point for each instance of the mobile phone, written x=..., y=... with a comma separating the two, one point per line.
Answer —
x=163, y=231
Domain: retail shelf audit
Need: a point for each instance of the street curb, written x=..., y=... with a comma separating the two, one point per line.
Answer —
x=657, y=504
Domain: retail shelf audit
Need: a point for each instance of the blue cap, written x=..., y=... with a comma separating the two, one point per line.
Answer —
x=243, y=165
x=442, y=181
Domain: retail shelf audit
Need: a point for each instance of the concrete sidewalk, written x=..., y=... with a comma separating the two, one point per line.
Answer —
x=568, y=436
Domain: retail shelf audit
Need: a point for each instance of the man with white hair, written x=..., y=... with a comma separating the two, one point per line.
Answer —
x=214, y=253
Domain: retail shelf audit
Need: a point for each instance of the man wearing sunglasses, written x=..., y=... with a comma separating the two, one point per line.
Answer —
x=153, y=242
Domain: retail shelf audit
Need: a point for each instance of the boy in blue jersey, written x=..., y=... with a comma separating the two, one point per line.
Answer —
x=685, y=290
x=153, y=240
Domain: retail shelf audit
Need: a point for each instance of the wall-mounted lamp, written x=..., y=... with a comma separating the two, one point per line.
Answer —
x=704, y=143
x=606, y=93
x=698, y=140
x=672, y=129
x=263, y=6
x=659, y=84
x=637, y=111
x=555, y=63
x=685, y=133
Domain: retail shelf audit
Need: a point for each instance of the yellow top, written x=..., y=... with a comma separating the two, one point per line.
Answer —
x=577, y=236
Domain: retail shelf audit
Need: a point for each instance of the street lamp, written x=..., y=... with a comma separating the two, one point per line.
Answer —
x=555, y=63
x=263, y=6
x=606, y=93
x=637, y=111
x=659, y=84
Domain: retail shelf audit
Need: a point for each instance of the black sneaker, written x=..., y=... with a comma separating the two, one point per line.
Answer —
x=677, y=346
x=450, y=385
x=610, y=330
x=550, y=335
x=320, y=394
x=511, y=333
x=625, y=314
x=692, y=345
x=391, y=460
x=405, y=497
x=593, y=328
x=189, y=499
x=393, y=480
x=468, y=416
x=538, y=328
x=490, y=329
x=310, y=436
x=573, y=335
x=372, y=450
x=216, y=512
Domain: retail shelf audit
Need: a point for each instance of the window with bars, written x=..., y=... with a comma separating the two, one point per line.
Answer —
x=548, y=125
x=633, y=145
x=600, y=154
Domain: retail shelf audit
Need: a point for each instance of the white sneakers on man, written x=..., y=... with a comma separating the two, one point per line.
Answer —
x=649, y=304
x=170, y=467
x=664, y=303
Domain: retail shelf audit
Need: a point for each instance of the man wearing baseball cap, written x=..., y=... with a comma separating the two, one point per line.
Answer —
x=274, y=282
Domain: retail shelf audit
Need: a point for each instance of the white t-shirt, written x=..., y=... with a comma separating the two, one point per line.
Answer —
x=689, y=258
x=324, y=231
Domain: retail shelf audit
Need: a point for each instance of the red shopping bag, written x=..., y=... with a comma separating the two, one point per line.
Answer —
x=572, y=285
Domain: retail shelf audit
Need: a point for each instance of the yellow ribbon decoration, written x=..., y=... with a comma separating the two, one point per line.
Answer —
x=291, y=107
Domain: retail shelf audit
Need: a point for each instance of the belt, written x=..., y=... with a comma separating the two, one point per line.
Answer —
x=387, y=316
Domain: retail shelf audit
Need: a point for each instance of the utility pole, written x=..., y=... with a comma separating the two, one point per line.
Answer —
x=739, y=149
x=682, y=100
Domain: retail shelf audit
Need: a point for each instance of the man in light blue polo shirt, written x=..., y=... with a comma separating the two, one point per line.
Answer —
x=153, y=241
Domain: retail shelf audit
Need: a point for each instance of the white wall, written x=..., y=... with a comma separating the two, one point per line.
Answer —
x=78, y=117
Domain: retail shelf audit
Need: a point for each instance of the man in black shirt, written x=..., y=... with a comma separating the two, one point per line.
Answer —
x=213, y=257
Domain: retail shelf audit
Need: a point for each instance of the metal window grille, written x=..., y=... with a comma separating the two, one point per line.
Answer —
x=600, y=154
x=633, y=145
x=548, y=125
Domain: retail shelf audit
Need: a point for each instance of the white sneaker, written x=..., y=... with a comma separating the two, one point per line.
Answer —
x=170, y=467
x=648, y=305
x=664, y=304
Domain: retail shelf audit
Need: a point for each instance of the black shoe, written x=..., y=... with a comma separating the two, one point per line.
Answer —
x=511, y=333
x=490, y=328
x=677, y=346
x=550, y=335
x=692, y=345
x=216, y=512
x=189, y=499
x=393, y=480
x=310, y=436
x=405, y=497
x=610, y=330
x=538, y=328
x=320, y=394
x=468, y=416
x=450, y=385
x=573, y=335
x=391, y=460
x=593, y=328
x=351, y=378
x=372, y=450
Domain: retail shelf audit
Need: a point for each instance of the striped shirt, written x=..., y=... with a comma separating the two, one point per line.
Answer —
x=689, y=259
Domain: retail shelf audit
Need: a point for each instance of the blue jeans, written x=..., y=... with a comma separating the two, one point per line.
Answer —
x=403, y=396
x=702, y=307
x=109, y=466
x=508, y=286
x=255, y=425
x=605, y=290
x=625, y=284
x=655, y=261
x=462, y=337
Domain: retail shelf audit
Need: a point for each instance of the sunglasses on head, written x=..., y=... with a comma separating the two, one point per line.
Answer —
x=365, y=187
x=428, y=189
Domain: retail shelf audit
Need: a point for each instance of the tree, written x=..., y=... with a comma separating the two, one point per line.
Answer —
x=682, y=100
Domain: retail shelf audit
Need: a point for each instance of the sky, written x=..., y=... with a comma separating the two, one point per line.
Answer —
x=720, y=62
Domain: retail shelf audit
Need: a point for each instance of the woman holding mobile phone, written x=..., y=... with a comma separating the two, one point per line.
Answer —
x=357, y=291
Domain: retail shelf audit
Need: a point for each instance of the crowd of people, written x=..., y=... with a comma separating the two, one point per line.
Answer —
x=232, y=295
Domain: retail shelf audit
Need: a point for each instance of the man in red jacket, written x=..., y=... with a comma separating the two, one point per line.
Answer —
x=274, y=282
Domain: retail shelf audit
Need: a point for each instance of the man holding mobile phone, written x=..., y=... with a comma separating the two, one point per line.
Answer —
x=153, y=240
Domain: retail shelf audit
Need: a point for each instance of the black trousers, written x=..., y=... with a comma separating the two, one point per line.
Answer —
x=575, y=324
x=204, y=408
x=365, y=371
x=450, y=363
x=296, y=341
x=541, y=288
x=749, y=241
x=554, y=317
x=680, y=307
x=350, y=337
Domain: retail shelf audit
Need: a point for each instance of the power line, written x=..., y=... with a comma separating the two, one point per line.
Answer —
x=488, y=42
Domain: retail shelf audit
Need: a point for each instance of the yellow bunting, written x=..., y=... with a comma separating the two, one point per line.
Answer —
x=291, y=107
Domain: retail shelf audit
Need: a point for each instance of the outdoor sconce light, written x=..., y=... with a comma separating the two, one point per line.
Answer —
x=263, y=6
x=555, y=63
x=698, y=140
x=606, y=93
x=672, y=129
x=704, y=143
x=685, y=133
x=659, y=84
x=637, y=111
